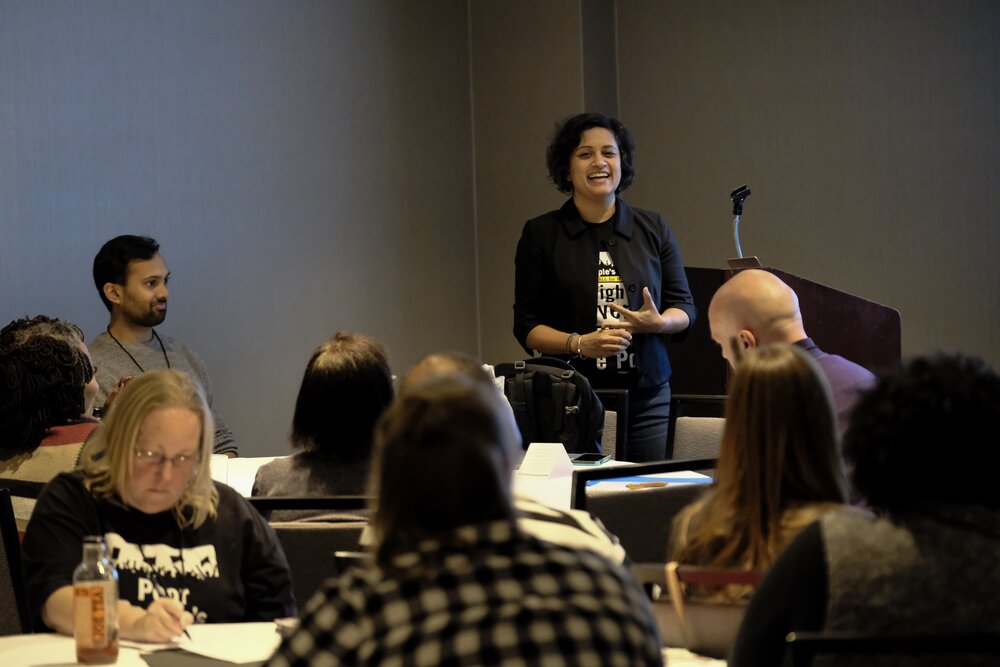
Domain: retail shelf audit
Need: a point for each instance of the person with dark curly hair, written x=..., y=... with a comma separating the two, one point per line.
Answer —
x=926, y=564
x=602, y=284
x=47, y=391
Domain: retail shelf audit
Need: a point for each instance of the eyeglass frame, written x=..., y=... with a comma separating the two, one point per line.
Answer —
x=157, y=459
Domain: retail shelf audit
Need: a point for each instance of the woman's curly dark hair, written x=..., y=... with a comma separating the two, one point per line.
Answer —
x=926, y=433
x=42, y=380
x=567, y=138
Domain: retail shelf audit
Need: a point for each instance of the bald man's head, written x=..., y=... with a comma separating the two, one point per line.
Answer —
x=754, y=308
x=443, y=363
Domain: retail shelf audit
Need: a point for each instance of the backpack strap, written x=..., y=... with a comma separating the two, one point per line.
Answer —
x=522, y=399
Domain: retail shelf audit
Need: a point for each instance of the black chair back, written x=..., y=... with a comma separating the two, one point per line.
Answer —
x=640, y=518
x=13, y=605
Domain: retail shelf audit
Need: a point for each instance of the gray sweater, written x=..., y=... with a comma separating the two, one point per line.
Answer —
x=112, y=364
x=937, y=570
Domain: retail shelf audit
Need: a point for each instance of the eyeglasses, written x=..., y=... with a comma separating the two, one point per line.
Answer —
x=179, y=462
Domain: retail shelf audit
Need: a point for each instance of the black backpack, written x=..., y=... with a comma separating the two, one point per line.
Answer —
x=553, y=402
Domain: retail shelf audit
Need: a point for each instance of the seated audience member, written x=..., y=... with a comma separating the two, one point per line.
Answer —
x=47, y=391
x=145, y=487
x=574, y=528
x=346, y=387
x=779, y=465
x=455, y=581
x=928, y=564
x=757, y=308
x=131, y=278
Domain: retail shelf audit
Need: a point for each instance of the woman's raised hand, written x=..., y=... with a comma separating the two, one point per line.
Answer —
x=647, y=319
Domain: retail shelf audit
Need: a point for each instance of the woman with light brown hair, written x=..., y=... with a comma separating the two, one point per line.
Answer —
x=779, y=465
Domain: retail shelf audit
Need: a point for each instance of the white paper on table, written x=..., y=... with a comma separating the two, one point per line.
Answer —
x=546, y=459
x=232, y=642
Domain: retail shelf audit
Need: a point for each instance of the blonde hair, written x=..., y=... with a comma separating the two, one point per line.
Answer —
x=109, y=456
x=779, y=464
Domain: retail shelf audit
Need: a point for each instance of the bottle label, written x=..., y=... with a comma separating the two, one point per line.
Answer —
x=95, y=614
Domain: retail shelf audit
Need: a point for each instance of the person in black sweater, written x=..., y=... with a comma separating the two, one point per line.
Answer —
x=186, y=548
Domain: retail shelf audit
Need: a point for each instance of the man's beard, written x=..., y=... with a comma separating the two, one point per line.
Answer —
x=149, y=318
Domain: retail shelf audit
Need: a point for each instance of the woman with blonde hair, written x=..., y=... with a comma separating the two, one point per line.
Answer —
x=779, y=465
x=187, y=549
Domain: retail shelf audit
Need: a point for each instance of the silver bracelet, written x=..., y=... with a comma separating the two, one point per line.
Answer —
x=569, y=343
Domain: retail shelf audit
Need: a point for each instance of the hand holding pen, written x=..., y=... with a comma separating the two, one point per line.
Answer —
x=167, y=613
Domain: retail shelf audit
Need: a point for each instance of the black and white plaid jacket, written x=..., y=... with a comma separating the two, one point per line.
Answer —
x=489, y=595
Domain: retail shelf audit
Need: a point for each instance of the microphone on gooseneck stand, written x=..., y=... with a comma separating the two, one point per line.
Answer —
x=740, y=262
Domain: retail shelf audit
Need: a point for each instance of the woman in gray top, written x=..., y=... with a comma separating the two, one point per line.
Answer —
x=345, y=389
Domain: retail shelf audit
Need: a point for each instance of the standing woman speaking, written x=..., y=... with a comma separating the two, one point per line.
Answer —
x=602, y=283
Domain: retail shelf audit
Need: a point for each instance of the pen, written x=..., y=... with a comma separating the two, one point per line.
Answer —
x=162, y=590
x=645, y=485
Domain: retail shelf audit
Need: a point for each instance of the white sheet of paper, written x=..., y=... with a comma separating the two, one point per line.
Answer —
x=233, y=642
x=546, y=459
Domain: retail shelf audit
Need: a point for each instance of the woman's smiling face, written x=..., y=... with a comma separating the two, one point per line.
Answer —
x=595, y=166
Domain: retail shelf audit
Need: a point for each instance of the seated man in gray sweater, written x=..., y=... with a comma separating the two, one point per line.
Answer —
x=131, y=278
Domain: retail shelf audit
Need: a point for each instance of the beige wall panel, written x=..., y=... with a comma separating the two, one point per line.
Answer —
x=526, y=76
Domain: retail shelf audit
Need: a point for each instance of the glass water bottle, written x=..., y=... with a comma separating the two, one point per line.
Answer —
x=95, y=605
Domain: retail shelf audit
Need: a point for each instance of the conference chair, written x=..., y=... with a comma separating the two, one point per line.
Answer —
x=23, y=495
x=614, y=432
x=616, y=401
x=641, y=518
x=310, y=544
x=697, y=438
x=13, y=606
x=700, y=608
x=904, y=649
x=695, y=425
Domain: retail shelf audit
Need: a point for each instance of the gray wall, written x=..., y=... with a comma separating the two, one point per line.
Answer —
x=313, y=166
x=306, y=167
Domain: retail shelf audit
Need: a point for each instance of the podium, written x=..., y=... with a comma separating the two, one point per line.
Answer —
x=863, y=331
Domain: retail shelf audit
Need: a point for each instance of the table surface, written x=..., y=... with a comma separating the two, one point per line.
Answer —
x=50, y=650
x=552, y=491
x=246, y=643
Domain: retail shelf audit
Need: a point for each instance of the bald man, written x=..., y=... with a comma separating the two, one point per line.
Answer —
x=757, y=308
